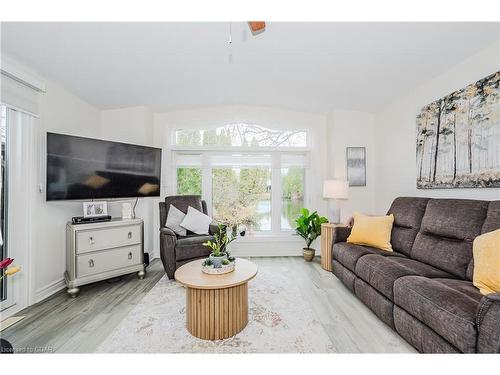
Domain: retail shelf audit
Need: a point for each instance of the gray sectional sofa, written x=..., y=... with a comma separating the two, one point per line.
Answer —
x=423, y=289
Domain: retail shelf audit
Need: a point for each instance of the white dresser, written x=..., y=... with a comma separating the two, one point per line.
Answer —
x=99, y=251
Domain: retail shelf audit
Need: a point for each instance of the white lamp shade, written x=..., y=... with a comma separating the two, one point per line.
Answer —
x=336, y=189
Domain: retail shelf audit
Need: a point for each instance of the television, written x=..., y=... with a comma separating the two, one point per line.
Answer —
x=86, y=169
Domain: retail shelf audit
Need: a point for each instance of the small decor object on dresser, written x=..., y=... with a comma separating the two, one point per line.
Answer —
x=219, y=260
x=126, y=211
x=458, y=138
x=95, y=209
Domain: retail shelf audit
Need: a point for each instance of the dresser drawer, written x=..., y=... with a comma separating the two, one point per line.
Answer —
x=102, y=261
x=99, y=239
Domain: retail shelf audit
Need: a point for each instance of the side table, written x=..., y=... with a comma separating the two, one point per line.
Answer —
x=327, y=234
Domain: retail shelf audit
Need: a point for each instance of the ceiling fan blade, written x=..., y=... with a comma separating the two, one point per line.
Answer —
x=257, y=27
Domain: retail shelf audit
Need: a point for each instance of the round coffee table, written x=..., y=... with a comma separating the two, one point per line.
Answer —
x=216, y=305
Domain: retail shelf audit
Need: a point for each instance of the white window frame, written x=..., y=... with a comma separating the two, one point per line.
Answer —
x=206, y=154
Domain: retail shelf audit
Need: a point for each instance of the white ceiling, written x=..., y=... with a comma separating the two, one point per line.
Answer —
x=314, y=67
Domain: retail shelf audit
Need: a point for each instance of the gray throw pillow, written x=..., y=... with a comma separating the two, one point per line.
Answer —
x=174, y=220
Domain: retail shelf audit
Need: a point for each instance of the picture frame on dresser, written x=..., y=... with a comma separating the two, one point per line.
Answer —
x=95, y=209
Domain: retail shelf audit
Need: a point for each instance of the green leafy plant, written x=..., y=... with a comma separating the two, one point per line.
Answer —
x=225, y=262
x=309, y=225
x=220, y=243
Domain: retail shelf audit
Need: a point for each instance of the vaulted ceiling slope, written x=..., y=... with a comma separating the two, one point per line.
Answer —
x=312, y=67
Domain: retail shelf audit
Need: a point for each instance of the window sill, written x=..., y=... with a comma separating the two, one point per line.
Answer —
x=260, y=237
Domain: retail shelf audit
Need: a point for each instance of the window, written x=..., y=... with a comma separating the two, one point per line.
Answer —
x=261, y=189
x=3, y=197
x=242, y=196
x=188, y=181
x=292, y=195
x=241, y=135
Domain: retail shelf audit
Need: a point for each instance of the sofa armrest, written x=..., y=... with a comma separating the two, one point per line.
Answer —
x=168, y=241
x=165, y=231
x=488, y=324
x=340, y=234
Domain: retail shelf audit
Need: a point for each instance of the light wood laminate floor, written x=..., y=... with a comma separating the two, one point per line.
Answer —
x=62, y=324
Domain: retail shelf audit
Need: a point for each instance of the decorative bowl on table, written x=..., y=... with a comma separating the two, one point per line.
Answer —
x=226, y=266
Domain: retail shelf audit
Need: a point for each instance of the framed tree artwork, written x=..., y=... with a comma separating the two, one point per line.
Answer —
x=356, y=166
x=458, y=138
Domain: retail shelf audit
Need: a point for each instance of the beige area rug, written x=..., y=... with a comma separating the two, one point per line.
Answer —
x=280, y=321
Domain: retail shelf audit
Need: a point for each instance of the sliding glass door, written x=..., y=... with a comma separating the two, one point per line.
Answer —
x=3, y=197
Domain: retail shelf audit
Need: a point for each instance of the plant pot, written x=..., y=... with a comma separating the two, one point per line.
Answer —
x=308, y=254
x=217, y=261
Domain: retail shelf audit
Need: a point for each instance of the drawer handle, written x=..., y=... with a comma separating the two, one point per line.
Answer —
x=91, y=263
x=130, y=255
x=129, y=235
x=91, y=240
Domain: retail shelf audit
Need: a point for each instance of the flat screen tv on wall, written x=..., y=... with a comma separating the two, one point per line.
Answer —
x=86, y=168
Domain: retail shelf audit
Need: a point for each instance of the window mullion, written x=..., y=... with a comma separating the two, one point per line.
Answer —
x=276, y=192
x=206, y=182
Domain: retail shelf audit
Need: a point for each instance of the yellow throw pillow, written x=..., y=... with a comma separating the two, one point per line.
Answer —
x=372, y=231
x=486, y=251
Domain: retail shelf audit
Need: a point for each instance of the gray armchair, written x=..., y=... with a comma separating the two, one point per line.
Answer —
x=176, y=250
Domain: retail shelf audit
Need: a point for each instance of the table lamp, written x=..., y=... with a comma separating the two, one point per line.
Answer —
x=335, y=190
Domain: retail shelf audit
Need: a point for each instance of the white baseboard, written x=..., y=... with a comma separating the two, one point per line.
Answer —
x=49, y=289
x=267, y=247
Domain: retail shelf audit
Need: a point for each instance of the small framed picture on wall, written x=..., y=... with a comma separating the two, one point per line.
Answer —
x=356, y=166
x=95, y=209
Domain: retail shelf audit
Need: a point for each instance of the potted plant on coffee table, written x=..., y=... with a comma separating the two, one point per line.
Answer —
x=309, y=228
x=219, y=256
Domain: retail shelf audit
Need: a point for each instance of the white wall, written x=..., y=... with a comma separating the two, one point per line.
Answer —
x=62, y=112
x=396, y=132
x=352, y=129
x=134, y=125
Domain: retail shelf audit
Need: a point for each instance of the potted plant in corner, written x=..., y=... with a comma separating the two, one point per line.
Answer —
x=309, y=228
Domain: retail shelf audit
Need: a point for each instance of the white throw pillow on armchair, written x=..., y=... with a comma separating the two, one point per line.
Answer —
x=174, y=220
x=196, y=221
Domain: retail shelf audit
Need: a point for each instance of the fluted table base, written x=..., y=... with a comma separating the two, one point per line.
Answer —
x=214, y=314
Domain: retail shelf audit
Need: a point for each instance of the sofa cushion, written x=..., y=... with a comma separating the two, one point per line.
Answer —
x=461, y=219
x=419, y=335
x=382, y=272
x=408, y=213
x=192, y=247
x=377, y=302
x=348, y=254
x=343, y=274
x=448, y=228
x=447, y=306
x=492, y=221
